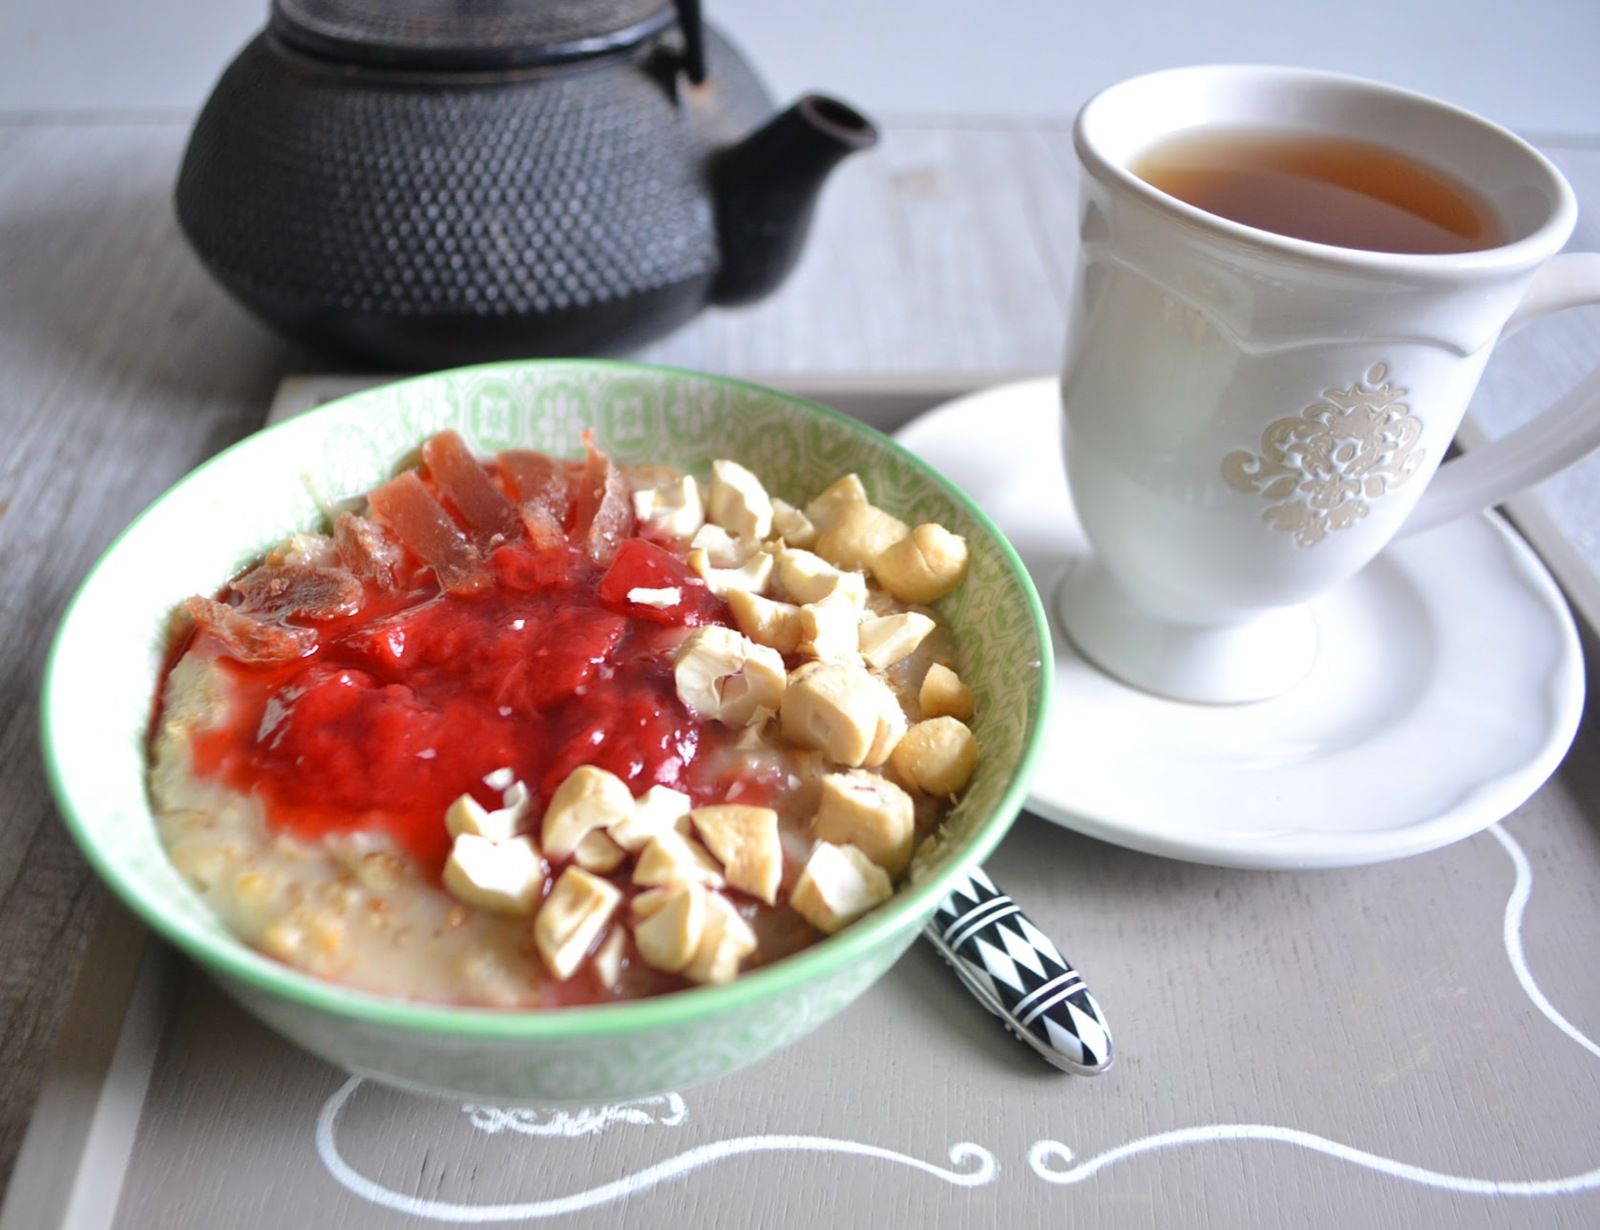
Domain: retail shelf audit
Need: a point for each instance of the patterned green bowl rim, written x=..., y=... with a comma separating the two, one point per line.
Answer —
x=681, y=1008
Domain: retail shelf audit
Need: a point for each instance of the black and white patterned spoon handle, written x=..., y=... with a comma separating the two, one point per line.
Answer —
x=1020, y=976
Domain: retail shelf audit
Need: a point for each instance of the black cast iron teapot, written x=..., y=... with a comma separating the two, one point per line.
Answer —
x=428, y=182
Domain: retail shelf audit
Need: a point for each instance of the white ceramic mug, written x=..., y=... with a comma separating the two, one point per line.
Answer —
x=1249, y=417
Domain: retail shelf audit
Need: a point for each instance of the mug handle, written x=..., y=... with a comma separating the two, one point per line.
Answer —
x=1563, y=433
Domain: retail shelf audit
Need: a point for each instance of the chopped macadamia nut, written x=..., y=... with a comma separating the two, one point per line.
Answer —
x=839, y=885
x=843, y=711
x=888, y=638
x=652, y=899
x=661, y=599
x=516, y=799
x=502, y=876
x=725, y=941
x=752, y=738
x=944, y=695
x=745, y=841
x=467, y=815
x=672, y=858
x=608, y=958
x=590, y=798
x=937, y=756
x=739, y=503
x=598, y=852
x=858, y=533
x=751, y=576
x=869, y=812
x=571, y=919
x=722, y=549
x=500, y=779
x=673, y=510
x=792, y=525
x=810, y=578
x=654, y=812
x=838, y=495
x=723, y=675
x=765, y=620
x=669, y=938
x=828, y=629
x=923, y=566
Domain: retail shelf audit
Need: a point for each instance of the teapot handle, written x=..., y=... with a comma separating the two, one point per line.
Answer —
x=694, y=39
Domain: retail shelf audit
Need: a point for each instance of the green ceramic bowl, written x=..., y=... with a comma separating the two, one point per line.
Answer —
x=103, y=669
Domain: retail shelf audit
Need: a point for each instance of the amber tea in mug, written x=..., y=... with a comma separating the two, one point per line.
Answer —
x=1331, y=190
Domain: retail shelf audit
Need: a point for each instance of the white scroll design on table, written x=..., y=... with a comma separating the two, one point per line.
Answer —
x=585, y=1121
x=1045, y=1155
x=1048, y=1159
x=961, y=1154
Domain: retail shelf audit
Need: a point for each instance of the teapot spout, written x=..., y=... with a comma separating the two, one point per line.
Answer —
x=764, y=190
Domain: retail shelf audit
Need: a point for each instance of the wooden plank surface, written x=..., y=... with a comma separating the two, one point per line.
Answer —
x=122, y=366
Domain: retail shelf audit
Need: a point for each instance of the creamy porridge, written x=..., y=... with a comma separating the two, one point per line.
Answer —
x=530, y=732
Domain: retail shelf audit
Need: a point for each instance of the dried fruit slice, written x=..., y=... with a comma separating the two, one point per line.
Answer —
x=600, y=498
x=466, y=484
x=298, y=591
x=365, y=549
x=247, y=638
x=420, y=521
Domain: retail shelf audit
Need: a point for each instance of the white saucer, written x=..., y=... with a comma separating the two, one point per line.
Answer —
x=1447, y=688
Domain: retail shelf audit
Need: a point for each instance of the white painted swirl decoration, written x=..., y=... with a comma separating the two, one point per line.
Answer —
x=1049, y=1160
x=980, y=1169
x=1053, y=1161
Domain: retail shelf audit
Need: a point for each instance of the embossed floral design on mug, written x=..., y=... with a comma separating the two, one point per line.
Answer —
x=1249, y=416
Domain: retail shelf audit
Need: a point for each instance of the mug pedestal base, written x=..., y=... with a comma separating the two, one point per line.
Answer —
x=1208, y=663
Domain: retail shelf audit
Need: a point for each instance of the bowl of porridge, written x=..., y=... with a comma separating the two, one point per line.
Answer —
x=555, y=731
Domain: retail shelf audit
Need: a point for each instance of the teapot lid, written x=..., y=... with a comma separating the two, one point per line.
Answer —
x=465, y=35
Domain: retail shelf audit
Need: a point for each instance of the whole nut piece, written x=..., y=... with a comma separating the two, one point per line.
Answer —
x=923, y=566
x=843, y=711
x=937, y=756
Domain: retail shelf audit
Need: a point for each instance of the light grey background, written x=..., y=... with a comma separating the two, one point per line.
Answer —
x=1528, y=65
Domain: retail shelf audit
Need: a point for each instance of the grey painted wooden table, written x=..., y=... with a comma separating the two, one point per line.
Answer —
x=1371, y=1030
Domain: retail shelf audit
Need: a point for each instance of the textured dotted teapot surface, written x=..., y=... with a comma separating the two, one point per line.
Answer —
x=487, y=33
x=342, y=204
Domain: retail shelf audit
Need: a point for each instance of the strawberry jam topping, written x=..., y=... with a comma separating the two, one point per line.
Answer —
x=535, y=653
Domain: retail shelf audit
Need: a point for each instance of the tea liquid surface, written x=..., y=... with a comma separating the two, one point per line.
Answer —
x=1351, y=194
